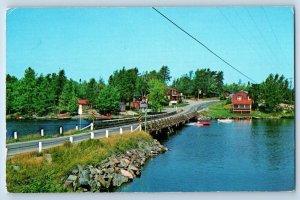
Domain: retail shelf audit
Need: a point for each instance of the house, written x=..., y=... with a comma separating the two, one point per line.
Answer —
x=85, y=103
x=241, y=102
x=139, y=102
x=174, y=96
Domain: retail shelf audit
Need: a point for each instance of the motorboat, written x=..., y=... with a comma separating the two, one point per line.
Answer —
x=203, y=123
x=225, y=120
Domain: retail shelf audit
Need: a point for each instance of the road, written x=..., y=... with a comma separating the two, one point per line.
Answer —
x=22, y=147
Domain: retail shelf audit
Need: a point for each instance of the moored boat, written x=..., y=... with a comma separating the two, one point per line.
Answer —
x=203, y=123
x=225, y=120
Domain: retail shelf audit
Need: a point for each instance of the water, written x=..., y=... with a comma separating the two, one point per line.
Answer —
x=51, y=127
x=255, y=155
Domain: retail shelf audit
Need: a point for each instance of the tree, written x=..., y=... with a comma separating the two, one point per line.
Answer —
x=59, y=84
x=185, y=84
x=142, y=87
x=108, y=100
x=157, y=92
x=274, y=90
x=125, y=81
x=164, y=74
x=68, y=99
x=25, y=97
x=11, y=88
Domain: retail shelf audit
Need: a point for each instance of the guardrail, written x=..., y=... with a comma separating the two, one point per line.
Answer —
x=118, y=122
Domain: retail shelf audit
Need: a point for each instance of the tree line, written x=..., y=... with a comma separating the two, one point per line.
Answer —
x=38, y=94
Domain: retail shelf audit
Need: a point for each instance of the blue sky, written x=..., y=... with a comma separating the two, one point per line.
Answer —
x=94, y=42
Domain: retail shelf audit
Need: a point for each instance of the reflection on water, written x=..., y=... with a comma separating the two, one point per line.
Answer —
x=256, y=155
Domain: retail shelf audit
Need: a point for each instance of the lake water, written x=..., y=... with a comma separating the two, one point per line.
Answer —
x=26, y=127
x=255, y=155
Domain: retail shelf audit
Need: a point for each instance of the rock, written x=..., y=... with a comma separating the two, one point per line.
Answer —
x=75, y=171
x=84, y=178
x=133, y=168
x=126, y=173
x=101, y=180
x=124, y=162
x=72, y=178
x=117, y=169
x=93, y=171
x=79, y=167
x=118, y=180
x=109, y=170
x=114, y=160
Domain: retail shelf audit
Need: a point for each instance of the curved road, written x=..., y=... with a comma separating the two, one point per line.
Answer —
x=22, y=147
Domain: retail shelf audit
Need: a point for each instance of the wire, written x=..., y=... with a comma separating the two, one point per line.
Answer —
x=206, y=47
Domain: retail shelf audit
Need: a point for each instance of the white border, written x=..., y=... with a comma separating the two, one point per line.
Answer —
x=4, y=4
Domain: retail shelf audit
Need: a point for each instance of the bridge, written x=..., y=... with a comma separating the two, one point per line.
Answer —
x=152, y=125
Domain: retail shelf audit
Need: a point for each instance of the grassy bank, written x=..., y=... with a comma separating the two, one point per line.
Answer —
x=33, y=172
x=221, y=110
x=30, y=137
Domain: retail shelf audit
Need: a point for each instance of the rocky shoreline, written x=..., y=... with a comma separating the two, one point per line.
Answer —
x=113, y=171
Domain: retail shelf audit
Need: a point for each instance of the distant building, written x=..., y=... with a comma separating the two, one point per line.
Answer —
x=174, y=96
x=85, y=103
x=241, y=103
x=139, y=103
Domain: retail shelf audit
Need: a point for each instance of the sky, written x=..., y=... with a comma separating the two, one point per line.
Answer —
x=94, y=42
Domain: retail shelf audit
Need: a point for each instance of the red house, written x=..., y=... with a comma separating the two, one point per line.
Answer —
x=241, y=103
x=174, y=96
x=85, y=103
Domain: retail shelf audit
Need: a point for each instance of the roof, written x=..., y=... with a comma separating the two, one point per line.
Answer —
x=83, y=101
x=246, y=101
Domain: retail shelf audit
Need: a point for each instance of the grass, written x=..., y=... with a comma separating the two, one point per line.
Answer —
x=221, y=110
x=38, y=136
x=31, y=172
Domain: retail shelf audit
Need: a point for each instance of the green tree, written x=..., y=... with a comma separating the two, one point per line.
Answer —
x=125, y=81
x=68, y=99
x=11, y=88
x=157, y=92
x=25, y=98
x=108, y=100
x=274, y=90
x=60, y=81
x=164, y=74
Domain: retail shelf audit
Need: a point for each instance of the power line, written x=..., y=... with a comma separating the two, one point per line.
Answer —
x=242, y=36
x=207, y=48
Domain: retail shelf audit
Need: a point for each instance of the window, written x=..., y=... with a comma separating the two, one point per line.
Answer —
x=239, y=98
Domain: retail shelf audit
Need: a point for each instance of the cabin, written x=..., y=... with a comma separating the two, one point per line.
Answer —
x=139, y=103
x=241, y=102
x=174, y=96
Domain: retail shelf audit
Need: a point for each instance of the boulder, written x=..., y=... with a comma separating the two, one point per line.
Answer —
x=132, y=168
x=124, y=162
x=84, y=178
x=72, y=178
x=118, y=180
x=109, y=170
x=75, y=171
x=126, y=174
x=101, y=180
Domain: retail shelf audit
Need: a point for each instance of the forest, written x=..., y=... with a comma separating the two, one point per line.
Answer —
x=51, y=94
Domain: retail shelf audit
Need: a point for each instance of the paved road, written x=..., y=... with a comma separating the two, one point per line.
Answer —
x=22, y=147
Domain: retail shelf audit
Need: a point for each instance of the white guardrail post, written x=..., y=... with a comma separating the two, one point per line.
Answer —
x=92, y=135
x=131, y=128
x=15, y=135
x=76, y=127
x=61, y=130
x=106, y=133
x=42, y=132
x=71, y=139
x=40, y=147
x=92, y=126
x=121, y=130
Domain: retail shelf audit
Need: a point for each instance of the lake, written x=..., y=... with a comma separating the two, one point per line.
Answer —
x=256, y=155
x=51, y=127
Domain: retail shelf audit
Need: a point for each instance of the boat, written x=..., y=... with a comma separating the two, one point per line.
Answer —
x=225, y=120
x=202, y=123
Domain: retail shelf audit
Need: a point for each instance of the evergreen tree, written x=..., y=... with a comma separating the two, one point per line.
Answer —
x=68, y=99
x=164, y=73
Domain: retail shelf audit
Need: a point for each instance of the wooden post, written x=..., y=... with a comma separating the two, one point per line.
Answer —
x=15, y=135
x=61, y=130
x=42, y=132
x=40, y=147
x=92, y=135
x=92, y=126
x=121, y=130
x=76, y=127
x=131, y=128
x=106, y=133
x=71, y=139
